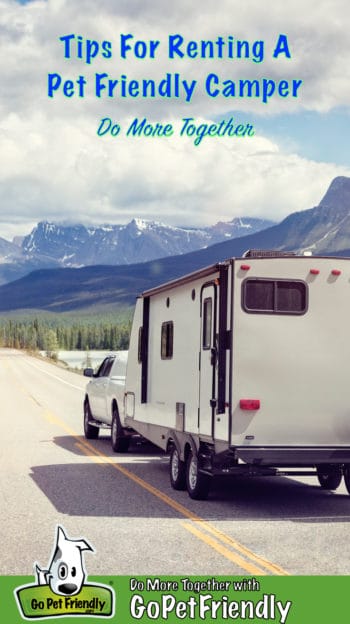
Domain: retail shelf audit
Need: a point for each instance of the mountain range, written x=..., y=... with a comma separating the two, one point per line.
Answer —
x=52, y=245
x=323, y=230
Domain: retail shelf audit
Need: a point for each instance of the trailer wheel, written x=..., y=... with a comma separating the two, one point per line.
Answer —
x=329, y=477
x=347, y=477
x=120, y=442
x=90, y=432
x=197, y=482
x=177, y=470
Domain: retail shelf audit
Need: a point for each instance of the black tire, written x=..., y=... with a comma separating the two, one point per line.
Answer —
x=329, y=477
x=177, y=470
x=120, y=442
x=90, y=432
x=198, y=483
x=347, y=477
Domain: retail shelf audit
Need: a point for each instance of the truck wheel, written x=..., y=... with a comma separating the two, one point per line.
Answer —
x=198, y=484
x=177, y=470
x=90, y=431
x=329, y=477
x=347, y=477
x=120, y=442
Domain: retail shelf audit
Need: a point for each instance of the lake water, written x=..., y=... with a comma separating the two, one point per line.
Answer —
x=78, y=359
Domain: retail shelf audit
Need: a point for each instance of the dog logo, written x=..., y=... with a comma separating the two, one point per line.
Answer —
x=66, y=573
x=61, y=589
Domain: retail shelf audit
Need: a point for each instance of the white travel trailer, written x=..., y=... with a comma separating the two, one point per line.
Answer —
x=244, y=368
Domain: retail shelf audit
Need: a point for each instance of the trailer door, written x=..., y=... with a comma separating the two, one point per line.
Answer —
x=207, y=360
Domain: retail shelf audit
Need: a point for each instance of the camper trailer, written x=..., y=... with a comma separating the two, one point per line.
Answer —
x=243, y=368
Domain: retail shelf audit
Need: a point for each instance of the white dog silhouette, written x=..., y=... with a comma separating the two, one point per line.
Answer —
x=66, y=573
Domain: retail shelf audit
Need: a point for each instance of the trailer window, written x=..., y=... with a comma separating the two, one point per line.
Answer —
x=207, y=323
x=274, y=296
x=259, y=296
x=167, y=339
x=291, y=297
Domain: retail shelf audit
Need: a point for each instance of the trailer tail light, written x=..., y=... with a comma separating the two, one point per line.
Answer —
x=336, y=272
x=245, y=267
x=249, y=404
x=314, y=271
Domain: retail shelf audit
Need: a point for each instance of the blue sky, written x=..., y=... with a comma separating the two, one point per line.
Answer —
x=54, y=166
x=323, y=137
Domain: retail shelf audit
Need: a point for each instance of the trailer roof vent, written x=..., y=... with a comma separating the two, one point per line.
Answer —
x=267, y=253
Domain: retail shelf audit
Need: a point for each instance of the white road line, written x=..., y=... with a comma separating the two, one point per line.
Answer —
x=54, y=376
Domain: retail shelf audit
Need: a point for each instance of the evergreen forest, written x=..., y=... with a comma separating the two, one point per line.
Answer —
x=59, y=332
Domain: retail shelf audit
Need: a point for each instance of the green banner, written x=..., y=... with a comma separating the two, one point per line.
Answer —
x=170, y=599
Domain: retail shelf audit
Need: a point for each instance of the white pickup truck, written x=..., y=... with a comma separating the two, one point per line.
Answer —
x=104, y=401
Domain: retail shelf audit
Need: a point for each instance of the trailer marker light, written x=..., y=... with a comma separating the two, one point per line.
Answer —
x=336, y=272
x=245, y=267
x=314, y=271
x=249, y=404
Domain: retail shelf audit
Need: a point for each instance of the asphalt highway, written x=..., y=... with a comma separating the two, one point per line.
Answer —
x=124, y=506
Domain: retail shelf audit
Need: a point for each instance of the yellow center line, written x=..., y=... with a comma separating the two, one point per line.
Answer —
x=229, y=554
x=204, y=527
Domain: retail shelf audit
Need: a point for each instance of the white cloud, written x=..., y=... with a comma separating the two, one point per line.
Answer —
x=53, y=165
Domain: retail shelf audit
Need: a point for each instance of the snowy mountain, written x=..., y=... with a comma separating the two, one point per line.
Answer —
x=51, y=245
x=137, y=241
x=8, y=250
x=324, y=229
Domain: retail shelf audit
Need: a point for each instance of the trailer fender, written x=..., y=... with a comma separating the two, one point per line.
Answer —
x=172, y=440
x=184, y=444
